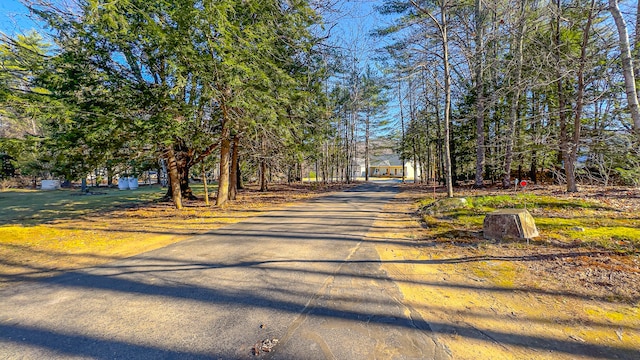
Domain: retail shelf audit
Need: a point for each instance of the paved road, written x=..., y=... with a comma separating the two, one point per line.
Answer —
x=303, y=275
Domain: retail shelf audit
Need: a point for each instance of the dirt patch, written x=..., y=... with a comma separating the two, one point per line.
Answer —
x=554, y=298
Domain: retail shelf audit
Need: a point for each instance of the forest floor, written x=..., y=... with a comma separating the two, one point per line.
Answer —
x=571, y=293
x=43, y=233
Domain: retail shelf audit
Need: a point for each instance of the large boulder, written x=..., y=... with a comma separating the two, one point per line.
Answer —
x=509, y=224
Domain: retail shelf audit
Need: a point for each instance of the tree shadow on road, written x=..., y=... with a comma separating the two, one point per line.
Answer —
x=123, y=278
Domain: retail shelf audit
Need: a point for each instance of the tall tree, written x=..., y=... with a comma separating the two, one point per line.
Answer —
x=515, y=89
x=479, y=90
x=194, y=73
x=627, y=65
x=374, y=103
x=442, y=25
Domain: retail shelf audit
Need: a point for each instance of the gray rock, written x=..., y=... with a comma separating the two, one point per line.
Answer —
x=445, y=205
x=509, y=224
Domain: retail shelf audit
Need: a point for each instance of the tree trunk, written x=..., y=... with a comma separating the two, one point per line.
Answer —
x=239, y=184
x=577, y=121
x=184, y=161
x=533, y=173
x=402, y=152
x=447, y=101
x=183, y=173
x=515, y=98
x=109, y=176
x=479, y=75
x=415, y=163
x=233, y=173
x=204, y=183
x=562, y=101
x=174, y=179
x=627, y=65
x=324, y=165
x=414, y=135
x=366, y=148
x=439, y=147
x=225, y=149
x=263, y=175
x=419, y=159
x=636, y=48
x=429, y=165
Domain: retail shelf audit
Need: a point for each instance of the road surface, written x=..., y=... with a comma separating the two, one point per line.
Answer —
x=305, y=276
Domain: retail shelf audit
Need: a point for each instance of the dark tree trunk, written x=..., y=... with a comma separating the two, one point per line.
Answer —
x=109, y=176
x=225, y=149
x=415, y=167
x=239, y=184
x=324, y=163
x=263, y=175
x=366, y=149
x=533, y=174
x=174, y=180
x=183, y=158
x=233, y=174
x=183, y=173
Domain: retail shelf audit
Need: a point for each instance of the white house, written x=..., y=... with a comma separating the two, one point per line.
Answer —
x=382, y=166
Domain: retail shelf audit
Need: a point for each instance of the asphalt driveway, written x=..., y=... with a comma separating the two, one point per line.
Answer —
x=304, y=276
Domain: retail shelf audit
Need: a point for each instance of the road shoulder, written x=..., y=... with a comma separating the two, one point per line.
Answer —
x=480, y=309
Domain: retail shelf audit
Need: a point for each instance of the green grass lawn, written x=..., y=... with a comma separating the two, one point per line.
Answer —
x=562, y=219
x=29, y=207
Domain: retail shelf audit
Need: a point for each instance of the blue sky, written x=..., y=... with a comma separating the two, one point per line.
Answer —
x=15, y=18
x=356, y=16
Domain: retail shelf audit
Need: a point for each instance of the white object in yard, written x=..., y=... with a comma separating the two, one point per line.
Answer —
x=50, y=184
x=133, y=183
x=123, y=183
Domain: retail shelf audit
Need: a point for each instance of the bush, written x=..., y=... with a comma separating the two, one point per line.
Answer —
x=629, y=177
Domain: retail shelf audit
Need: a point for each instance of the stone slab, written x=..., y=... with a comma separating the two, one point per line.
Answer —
x=509, y=224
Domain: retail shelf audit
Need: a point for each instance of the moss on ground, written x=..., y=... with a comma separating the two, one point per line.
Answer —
x=483, y=297
x=590, y=222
